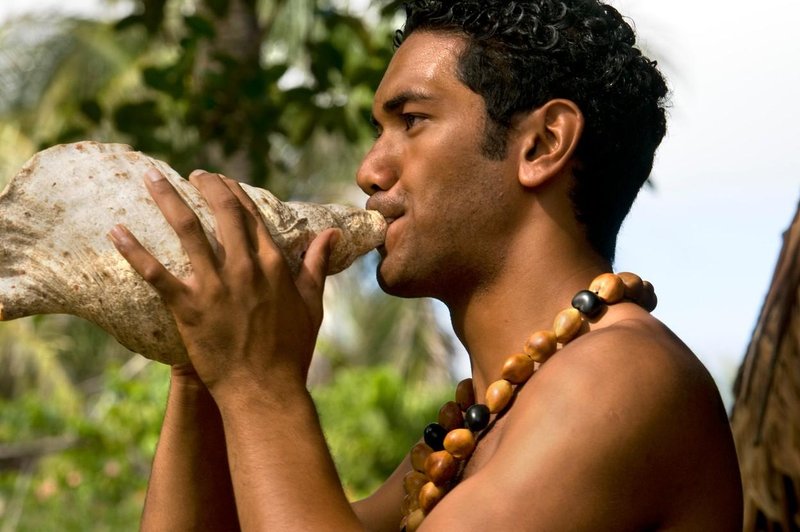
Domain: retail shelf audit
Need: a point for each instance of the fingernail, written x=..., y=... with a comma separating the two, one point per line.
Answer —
x=154, y=175
x=117, y=234
x=197, y=173
x=337, y=235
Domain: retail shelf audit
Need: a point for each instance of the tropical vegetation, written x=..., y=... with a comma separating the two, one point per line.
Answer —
x=269, y=92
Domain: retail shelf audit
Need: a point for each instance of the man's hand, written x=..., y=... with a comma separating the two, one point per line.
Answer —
x=245, y=321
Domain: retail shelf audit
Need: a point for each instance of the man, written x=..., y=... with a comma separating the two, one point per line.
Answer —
x=512, y=139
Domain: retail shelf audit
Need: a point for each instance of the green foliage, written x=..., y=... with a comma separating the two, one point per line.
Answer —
x=371, y=418
x=221, y=87
x=98, y=480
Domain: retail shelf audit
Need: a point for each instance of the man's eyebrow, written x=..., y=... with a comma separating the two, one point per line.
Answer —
x=395, y=103
x=391, y=106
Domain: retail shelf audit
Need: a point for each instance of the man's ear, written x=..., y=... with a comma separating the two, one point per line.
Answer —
x=548, y=138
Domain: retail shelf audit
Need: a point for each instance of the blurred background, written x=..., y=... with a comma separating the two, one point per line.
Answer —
x=277, y=93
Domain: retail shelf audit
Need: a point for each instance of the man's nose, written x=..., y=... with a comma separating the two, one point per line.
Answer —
x=377, y=172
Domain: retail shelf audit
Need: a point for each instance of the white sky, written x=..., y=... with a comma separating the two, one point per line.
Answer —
x=727, y=176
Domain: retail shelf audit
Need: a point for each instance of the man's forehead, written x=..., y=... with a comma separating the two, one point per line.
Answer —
x=424, y=66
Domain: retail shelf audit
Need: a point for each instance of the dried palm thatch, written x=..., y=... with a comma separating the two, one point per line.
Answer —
x=766, y=416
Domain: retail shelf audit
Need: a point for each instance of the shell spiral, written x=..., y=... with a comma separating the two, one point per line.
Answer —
x=55, y=256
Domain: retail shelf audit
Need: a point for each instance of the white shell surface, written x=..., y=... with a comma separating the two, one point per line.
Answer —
x=55, y=256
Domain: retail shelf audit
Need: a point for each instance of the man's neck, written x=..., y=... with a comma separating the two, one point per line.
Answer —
x=538, y=281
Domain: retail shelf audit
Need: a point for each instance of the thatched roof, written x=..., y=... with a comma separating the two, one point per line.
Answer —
x=766, y=416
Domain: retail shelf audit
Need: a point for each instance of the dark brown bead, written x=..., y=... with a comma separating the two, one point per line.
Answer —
x=410, y=503
x=465, y=394
x=450, y=416
x=518, y=368
x=429, y=496
x=440, y=467
x=498, y=395
x=460, y=443
x=633, y=285
x=413, y=481
x=541, y=345
x=419, y=453
x=648, y=301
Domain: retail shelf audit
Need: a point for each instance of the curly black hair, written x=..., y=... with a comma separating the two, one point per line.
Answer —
x=521, y=54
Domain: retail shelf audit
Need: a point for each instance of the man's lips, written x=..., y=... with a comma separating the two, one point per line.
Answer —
x=390, y=209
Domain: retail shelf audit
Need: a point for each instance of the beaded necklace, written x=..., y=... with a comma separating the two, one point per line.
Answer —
x=450, y=442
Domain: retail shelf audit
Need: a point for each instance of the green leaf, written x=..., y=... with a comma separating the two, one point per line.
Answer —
x=165, y=79
x=153, y=16
x=218, y=7
x=129, y=21
x=200, y=26
x=92, y=110
x=138, y=118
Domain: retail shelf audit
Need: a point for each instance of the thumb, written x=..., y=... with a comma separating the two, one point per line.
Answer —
x=310, y=280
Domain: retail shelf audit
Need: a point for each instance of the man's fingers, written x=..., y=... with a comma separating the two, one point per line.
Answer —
x=252, y=216
x=311, y=279
x=151, y=270
x=268, y=252
x=232, y=231
x=182, y=219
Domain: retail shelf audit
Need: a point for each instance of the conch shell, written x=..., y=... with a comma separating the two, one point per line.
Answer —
x=55, y=256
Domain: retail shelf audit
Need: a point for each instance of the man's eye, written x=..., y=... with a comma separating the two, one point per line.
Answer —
x=410, y=120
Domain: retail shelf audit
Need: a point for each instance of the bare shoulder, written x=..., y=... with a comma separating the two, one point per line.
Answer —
x=636, y=363
x=648, y=423
x=625, y=428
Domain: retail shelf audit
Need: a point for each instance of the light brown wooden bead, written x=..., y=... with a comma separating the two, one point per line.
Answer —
x=409, y=504
x=460, y=443
x=419, y=453
x=648, y=301
x=633, y=285
x=450, y=416
x=541, y=345
x=440, y=467
x=429, y=496
x=413, y=481
x=465, y=394
x=567, y=325
x=414, y=520
x=609, y=287
x=518, y=368
x=498, y=394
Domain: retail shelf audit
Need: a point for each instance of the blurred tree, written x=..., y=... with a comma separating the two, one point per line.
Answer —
x=236, y=86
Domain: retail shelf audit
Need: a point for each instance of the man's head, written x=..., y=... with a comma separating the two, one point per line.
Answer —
x=521, y=54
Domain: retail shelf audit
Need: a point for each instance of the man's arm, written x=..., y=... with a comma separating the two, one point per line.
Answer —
x=190, y=485
x=191, y=460
x=249, y=327
x=381, y=510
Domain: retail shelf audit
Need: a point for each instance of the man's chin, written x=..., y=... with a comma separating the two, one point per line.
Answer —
x=384, y=284
x=400, y=286
x=390, y=283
